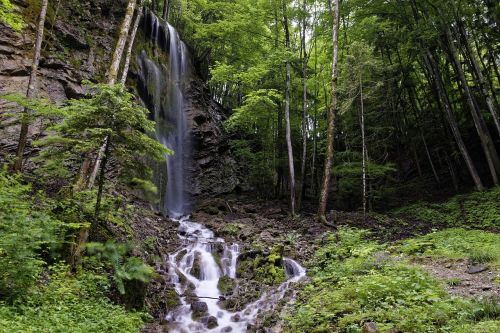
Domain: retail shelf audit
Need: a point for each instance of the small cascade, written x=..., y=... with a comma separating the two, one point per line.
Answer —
x=193, y=269
x=162, y=89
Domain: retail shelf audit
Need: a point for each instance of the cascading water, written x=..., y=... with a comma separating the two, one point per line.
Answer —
x=203, y=283
x=162, y=90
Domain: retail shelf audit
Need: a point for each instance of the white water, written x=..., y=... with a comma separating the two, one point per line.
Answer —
x=199, y=241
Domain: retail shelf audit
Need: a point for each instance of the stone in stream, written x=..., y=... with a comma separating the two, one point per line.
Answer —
x=210, y=322
x=196, y=269
x=199, y=309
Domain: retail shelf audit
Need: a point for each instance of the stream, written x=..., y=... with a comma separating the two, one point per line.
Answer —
x=200, y=241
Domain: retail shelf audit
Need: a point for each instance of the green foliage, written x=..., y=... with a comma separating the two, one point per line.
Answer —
x=82, y=125
x=473, y=210
x=349, y=184
x=354, y=280
x=27, y=233
x=10, y=17
x=479, y=246
x=69, y=302
x=125, y=267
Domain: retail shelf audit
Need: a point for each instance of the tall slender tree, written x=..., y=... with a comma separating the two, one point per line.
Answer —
x=131, y=42
x=332, y=113
x=304, y=105
x=122, y=40
x=23, y=136
x=91, y=163
x=291, y=167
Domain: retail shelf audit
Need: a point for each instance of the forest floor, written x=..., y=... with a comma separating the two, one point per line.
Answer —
x=458, y=256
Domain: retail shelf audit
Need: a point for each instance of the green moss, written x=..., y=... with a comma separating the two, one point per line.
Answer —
x=196, y=269
x=231, y=229
x=226, y=284
x=172, y=301
x=10, y=17
x=267, y=269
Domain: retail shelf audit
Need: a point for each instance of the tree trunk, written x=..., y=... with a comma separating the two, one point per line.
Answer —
x=482, y=130
x=23, y=136
x=91, y=164
x=363, y=141
x=102, y=176
x=435, y=76
x=120, y=45
x=287, y=113
x=480, y=77
x=315, y=120
x=488, y=77
x=166, y=9
x=304, y=108
x=131, y=43
x=332, y=112
x=416, y=107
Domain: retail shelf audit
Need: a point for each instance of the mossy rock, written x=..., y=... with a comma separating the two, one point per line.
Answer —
x=226, y=285
x=180, y=255
x=262, y=266
x=196, y=269
x=231, y=229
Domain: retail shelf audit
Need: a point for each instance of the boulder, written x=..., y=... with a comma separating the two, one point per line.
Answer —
x=474, y=269
x=199, y=309
x=211, y=322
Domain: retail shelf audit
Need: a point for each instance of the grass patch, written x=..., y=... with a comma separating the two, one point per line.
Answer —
x=355, y=280
x=457, y=243
x=473, y=210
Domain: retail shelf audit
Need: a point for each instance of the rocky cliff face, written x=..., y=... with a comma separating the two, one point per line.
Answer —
x=214, y=169
x=79, y=40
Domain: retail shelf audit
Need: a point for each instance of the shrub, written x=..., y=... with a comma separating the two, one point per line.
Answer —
x=27, y=234
x=75, y=302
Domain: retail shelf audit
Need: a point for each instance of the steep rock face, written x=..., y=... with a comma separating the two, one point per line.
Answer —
x=214, y=169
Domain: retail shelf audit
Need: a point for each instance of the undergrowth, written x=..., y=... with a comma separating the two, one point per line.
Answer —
x=68, y=303
x=457, y=243
x=37, y=293
x=355, y=281
x=473, y=210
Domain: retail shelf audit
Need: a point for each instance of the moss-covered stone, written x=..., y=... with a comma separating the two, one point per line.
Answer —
x=196, y=269
x=263, y=267
x=226, y=285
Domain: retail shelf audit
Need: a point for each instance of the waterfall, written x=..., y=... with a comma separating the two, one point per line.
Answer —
x=162, y=88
